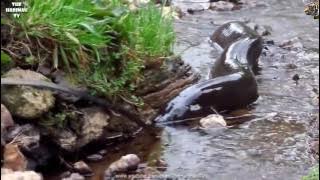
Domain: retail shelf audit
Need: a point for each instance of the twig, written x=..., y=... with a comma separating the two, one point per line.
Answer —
x=237, y=117
x=128, y=101
x=10, y=52
x=214, y=110
x=180, y=121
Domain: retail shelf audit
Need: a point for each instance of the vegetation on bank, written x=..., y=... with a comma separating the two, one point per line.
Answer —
x=103, y=44
x=313, y=174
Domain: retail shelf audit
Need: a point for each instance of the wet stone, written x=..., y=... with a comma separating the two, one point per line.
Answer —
x=291, y=66
x=74, y=176
x=82, y=168
x=103, y=152
x=314, y=146
x=270, y=42
x=6, y=118
x=296, y=77
x=94, y=158
x=24, y=101
x=65, y=174
x=222, y=6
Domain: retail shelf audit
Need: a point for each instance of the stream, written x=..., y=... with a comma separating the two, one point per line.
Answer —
x=270, y=144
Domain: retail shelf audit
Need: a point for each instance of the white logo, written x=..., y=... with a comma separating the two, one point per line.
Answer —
x=17, y=8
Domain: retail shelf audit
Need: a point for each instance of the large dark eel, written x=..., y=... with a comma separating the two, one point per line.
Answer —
x=233, y=84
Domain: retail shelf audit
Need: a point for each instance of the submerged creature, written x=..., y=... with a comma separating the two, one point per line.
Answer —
x=233, y=84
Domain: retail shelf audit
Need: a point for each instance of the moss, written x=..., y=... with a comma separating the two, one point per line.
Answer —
x=313, y=174
x=6, y=62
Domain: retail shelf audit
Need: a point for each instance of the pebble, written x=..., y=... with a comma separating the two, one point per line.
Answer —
x=213, y=121
x=314, y=145
x=82, y=168
x=103, y=152
x=74, y=176
x=296, y=77
x=94, y=157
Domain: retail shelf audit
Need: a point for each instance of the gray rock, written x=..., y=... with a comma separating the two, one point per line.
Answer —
x=213, y=121
x=82, y=168
x=292, y=44
x=125, y=163
x=7, y=174
x=23, y=101
x=74, y=176
x=262, y=30
x=27, y=136
x=66, y=139
x=6, y=122
x=6, y=119
x=103, y=152
x=95, y=119
x=87, y=128
x=222, y=6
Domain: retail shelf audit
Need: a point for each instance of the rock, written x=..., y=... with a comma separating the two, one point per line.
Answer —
x=24, y=101
x=6, y=118
x=74, y=176
x=171, y=12
x=6, y=122
x=161, y=165
x=88, y=127
x=213, y=121
x=125, y=163
x=262, y=30
x=222, y=6
x=65, y=174
x=269, y=42
x=20, y=175
x=82, y=168
x=95, y=119
x=13, y=158
x=292, y=44
x=103, y=152
x=296, y=77
x=291, y=66
x=66, y=139
x=196, y=8
x=5, y=171
x=94, y=157
x=149, y=173
x=27, y=136
x=314, y=147
x=253, y=3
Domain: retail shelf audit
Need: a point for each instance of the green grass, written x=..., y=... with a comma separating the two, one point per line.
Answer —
x=313, y=174
x=149, y=33
x=102, y=45
x=6, y=62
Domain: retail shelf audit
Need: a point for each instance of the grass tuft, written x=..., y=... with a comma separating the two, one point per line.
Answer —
x=103, y=45
x=313, y=174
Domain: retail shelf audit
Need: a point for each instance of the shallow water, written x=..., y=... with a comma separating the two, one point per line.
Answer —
x=272, y=143
x=263, y=148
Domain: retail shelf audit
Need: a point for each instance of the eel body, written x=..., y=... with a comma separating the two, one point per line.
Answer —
x=232, y=84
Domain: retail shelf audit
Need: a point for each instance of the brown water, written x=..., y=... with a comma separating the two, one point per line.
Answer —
x=272, y=143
